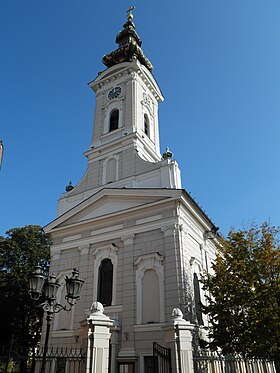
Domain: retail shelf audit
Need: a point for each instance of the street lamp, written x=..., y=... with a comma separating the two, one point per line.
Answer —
x=39, y=283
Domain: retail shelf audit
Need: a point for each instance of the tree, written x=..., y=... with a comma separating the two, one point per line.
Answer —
x=20, y=251
x=243, y=301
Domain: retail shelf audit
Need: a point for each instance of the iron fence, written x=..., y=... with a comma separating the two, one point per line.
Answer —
x=213, y=362
x=58, y=360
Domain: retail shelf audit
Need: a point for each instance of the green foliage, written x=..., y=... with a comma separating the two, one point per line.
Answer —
x=20, y=251
x=243, y=302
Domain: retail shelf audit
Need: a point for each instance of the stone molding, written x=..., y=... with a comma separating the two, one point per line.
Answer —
x=84, y=249
x=55, y=253
x=128, y=239
x=169, y=230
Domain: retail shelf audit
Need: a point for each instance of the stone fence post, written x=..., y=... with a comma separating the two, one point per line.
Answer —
x=98, y=340
x=178, y=336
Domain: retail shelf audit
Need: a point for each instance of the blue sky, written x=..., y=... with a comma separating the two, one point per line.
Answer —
x=217, y=63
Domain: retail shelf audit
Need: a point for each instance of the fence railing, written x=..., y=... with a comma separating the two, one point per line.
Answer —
x=213, y=362
x=58, y=360
x=162, y=359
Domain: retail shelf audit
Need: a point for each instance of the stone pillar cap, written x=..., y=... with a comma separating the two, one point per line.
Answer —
x=97, y=315
x=177, y=318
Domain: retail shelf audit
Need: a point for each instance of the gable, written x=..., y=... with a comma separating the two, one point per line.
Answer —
x=110, y=201
x=108, y=205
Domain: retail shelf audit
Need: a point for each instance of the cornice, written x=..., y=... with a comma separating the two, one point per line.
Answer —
x=102, y=151
x=196, y=211
x=127, y=69
x=126, y=141
x=124, y=233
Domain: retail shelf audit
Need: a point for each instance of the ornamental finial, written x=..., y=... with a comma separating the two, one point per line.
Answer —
x=129, y=48
x=129, y=13
x=168, y=154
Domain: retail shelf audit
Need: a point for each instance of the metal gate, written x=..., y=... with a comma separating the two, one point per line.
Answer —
x=162, y=359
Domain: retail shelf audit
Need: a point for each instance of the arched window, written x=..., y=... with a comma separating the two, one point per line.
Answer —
x=146, y=125
x=105, y=282
x=114, y=120
x=197, y=299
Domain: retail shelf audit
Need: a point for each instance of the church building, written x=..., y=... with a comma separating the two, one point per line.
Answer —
x=138, y=239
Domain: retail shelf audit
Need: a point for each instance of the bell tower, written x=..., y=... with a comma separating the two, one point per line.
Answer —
x=127, y=97
x=125, y=146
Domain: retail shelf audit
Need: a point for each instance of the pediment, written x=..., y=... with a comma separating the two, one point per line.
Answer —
x=107, y=202
x=108, y=205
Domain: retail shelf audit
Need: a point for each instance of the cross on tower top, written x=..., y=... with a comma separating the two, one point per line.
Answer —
x=129, y=12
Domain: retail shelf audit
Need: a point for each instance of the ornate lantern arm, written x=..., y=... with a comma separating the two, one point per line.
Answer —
x=73, y=287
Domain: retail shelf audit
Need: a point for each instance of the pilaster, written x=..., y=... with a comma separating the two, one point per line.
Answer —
x=127, y=336
x=173, y=267
x=115, y=341
x=55, y=254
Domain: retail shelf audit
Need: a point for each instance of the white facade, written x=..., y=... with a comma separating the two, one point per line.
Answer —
x=130, y=214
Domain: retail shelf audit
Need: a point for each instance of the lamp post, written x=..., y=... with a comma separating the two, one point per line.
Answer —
x=39, y=283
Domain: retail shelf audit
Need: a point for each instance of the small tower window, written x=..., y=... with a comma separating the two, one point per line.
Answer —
x=114, y=120
x=146, y=125
x=105, y=282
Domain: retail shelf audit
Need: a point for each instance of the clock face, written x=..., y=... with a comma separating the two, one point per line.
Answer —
x=114, y=93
